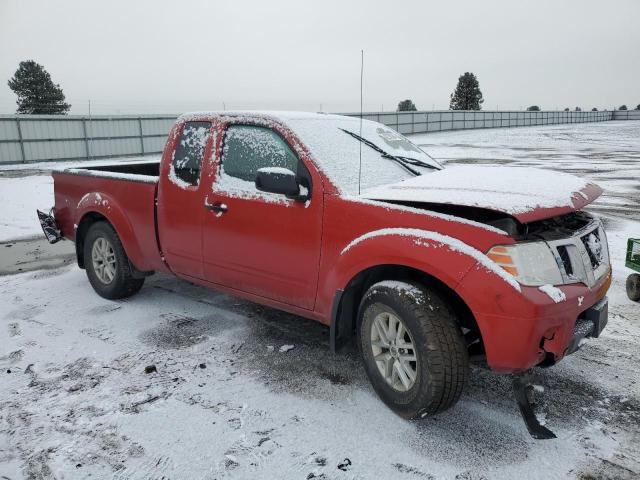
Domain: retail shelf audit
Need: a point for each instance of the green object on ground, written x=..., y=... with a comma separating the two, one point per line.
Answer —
x=633, y=254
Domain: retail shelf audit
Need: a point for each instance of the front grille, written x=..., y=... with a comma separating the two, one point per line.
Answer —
x=565, y=259
x=583, y=257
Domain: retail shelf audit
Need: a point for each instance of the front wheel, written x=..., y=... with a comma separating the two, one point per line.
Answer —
x=412, y=348
x=107, y=264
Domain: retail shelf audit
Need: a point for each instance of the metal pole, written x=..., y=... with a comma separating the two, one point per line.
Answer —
x=86, y=140
x=141, y=137
x=89, y=142
x=24, y=158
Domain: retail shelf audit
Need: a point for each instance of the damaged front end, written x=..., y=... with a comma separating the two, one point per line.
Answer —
x=563, y=267
x=524, y=390
x=589, y=325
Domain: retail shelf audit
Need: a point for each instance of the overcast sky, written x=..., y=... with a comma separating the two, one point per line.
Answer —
x=170, y=56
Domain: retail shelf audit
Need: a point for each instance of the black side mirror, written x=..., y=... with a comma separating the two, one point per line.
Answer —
x=279, y=180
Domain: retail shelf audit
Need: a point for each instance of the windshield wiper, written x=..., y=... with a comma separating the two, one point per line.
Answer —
x=404, y=162
x=416, y=162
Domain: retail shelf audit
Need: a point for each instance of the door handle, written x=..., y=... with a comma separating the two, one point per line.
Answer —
x=217, y=207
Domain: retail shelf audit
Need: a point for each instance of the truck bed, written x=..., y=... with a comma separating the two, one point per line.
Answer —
x=124, y=194
x=151, y=169
x=146, y=172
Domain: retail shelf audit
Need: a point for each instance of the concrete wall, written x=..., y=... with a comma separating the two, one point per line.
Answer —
x=33, y=138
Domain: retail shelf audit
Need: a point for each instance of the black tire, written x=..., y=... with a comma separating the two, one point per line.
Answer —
x=633, y=287
x=442, y=361
x=123, y=283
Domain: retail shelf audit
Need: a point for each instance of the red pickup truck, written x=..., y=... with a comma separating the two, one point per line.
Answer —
x=347, y=222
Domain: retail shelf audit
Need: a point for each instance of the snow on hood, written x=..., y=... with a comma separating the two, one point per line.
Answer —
x=527, y=194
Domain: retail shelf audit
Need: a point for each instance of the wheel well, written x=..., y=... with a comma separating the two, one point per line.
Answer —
x=347, y=302
x=81, y=232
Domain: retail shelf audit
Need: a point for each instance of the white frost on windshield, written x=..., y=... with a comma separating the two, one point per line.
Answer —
x=442, y=241
x=338, y=153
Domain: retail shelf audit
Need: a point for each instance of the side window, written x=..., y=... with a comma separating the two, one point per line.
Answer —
x=248, y=148
x=187, y=159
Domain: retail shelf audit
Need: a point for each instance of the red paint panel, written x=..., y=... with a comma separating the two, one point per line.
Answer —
x=181, y=213
x=127, y=205
x=513, y=323
x=268, y=248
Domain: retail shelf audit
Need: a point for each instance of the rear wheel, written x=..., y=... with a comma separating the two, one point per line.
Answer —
x=107, y=264
x=412, y=348
x=633, y=287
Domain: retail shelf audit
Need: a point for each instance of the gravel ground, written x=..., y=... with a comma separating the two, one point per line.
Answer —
x=224, y=399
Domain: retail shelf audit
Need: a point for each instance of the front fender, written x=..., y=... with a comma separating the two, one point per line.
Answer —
x=443, y=257
x=440, y=256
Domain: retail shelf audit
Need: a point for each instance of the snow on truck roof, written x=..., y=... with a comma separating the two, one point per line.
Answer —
x=281, y=115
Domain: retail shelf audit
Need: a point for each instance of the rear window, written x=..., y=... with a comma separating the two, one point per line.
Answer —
x=187, y=159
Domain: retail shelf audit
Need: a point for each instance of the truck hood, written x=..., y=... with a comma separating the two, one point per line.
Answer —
x=527, y=194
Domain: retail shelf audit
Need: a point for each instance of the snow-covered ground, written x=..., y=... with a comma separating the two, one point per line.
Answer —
x=18, y=209
x=27, y=187
x=607, y=153
x=226, y=402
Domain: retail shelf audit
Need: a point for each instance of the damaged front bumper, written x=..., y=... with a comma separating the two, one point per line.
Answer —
x=589, y=325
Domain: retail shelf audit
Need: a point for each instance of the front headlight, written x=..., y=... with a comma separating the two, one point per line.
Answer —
x=531, y=263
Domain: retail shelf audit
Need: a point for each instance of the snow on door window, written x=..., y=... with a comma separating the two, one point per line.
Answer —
x=247, y=148
x=187, y=159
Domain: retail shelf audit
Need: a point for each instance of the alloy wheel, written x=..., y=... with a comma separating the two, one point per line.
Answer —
x=103, y=258
x=394, y=351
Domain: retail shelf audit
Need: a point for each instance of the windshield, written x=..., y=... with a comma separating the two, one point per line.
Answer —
x=338, y=152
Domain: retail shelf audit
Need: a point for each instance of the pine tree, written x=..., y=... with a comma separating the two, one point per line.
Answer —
x=467, y=95
x=37, y=94
x=533, y=108
x=638, y=107
x=622, y=107
x=407, y=106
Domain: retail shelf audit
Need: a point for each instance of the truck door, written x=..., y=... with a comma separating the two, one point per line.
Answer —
x=180, y=195
x=257, y=242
